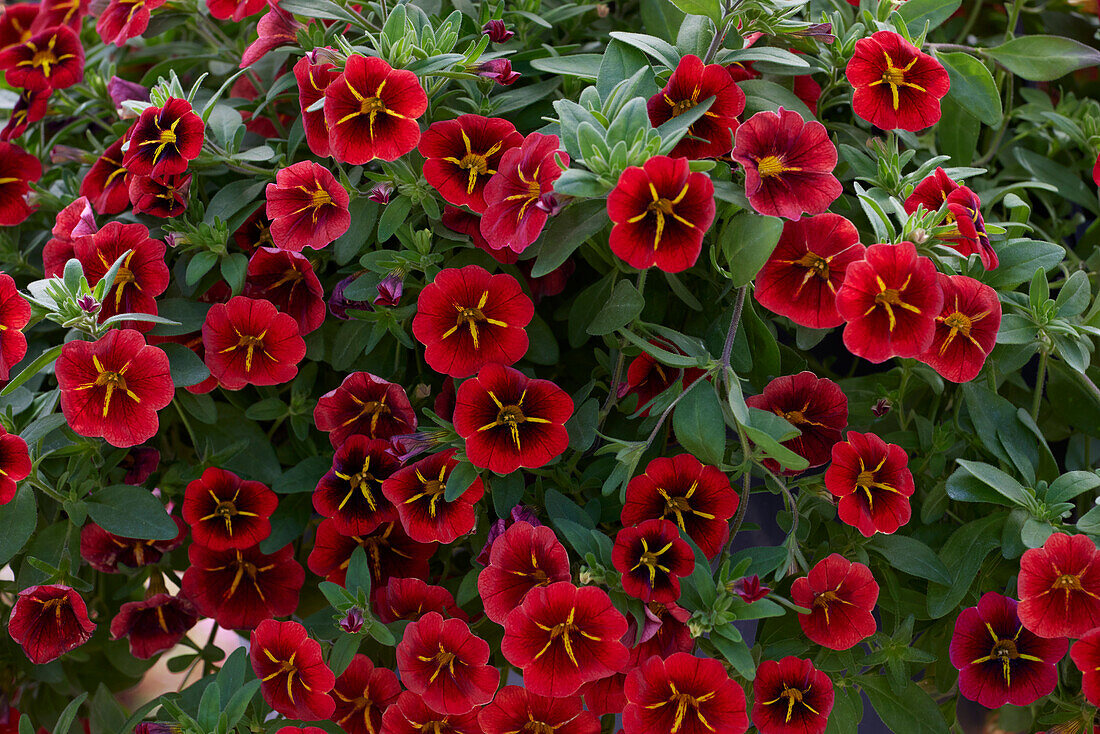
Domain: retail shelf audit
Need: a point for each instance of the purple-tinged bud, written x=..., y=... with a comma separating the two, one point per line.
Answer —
x=382, y=193
x=88, y=305
x=156, y=727
x=750, y=589
x=499, y=70
x=352, y=621
x=823, y=31
x=68, y=154
x=497, y=31
x=338, y=305
x=390, y=290
x=548, y=203
x=881, y=407
x=120, y=90
x=519, y=514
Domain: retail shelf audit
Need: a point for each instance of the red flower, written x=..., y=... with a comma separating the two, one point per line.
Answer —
x=371, y=111
x=364, y=404
x=286, y=279
x=140, y=463
x=160, y=196
x=896, y=85
x=966, y=329
x=225, y=512
x=651, y=556
x=523, y=558
x=661, y=212
x=31, y=106
x=307, y=206
x=142, y=277
x=50, y=59
x=890, y=300
x=15, y=314
x=998, y=660
x=648, y=378
x=295, y=680
x=163, y=140
x=362, y=693
x=248, y=342
x=155, y=624
x=788, y=164
x=964, y=212
x=410, y=716
x=241, y=588
x=516, y=710
x=802, y=275
x=60, y=12
x=113, y=388
x=1059, y=587
x=698, y=497
x=445, y=664
x=468, y=318
x=125, y=19
x=791, y=696
x=469, y=224
x=873, y=481
x=17, y=169
x=105, y=552
x=351, y=492
x=510, y=421
x=417, y=493
x=1086, y=656
x=815, y=406
x=277, y=28
x=107, y=183
x=664, y=632
x=462, y=154
x=15, y=464
x=313, y=79
x=690, y=84
x=49, y=621
x=513, y=218
x=840, y=595
x=390, y=554
x=15, y=23
x=235, y=10
x=411, y=599
x=73, y=222
x=683, y=694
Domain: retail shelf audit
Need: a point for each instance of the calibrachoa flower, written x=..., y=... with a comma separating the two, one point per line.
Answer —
x=516, y=710
x=417, y=493
x=467, y=318
x=890, y=300
x=106, y=184
x=351, y=492
x=815, y=406
x=17, y=169
x=155, y=624
x=371, y=111
x=664, y=632
x=73, y=222
x=411, y=716
x=31, y=107
x=1059, y=587
x=113, y=388
x=750, y=589
x=362, y=692
x=802, y=275
x=463, y=154
x=105, y=552
x=873, y=481
x=510, y=421
x=125, y=19
x=15, y=23
x=499, y=70
x=160, y=196
x=648, y=378
x=277, y=28
x=513, y=218
x=661, y=212
x=286, y=279
x=307, y=206
x=791, y=695
x=50, y=59
x=691, y=83
x=840, y=596
x=15, y=313
x=966, y=328
x=683, y=694
x=998, y=660
x=295, y=680
x=562, y=637
x=445, y=664
x=49, y=621
x=142, y=276
x=896, y=85
x=651, y=557
x=497, y=31
x=15, y=464
x=390, y=553
x=239, y=589
x=1086, y=656
x=235, y=10
x=248, y=342
x=964, y=215
x=522, y=558
x=411, y=599
x=313, y=79
x=788, y=164
x=364, y=404
x=164, y=139
x=226, y=512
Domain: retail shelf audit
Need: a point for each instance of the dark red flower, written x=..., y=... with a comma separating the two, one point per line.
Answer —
x=338, y=303
x=750, y=589
x=964, y=215
x=896, y=85
x=15, y=464
x=545, y=286
x=840, y=596
x=390, y=554
x=113, y=388
x=371, y=111
x=239, y=589
x=791, y=696
x=235, y=10
x=155, y=624
x=313, y=79
x=164, y=139
x=73, y=222
x=469, y=224
x=125, y=19
x=226, y=512
x=966, y=328
x=648, y=378
x=286, y=279
x=31, y=107
x=1059, y=587
x=351, y=492
x=410, y=716
x=367, y=405
x=277, y=28
x=142, y=277
x=307, y=206
x=691, y=83
x=411, y=599
x=606, y=695
x=510, y=421
x=15, y=23
x=50, y=59
x=788, y=164
x=516, y=710
x=683, y=694
x=445, y=664
x=497, y=31
x=873, y=481
x=462, y=154
x=17, y=169
x=499, y=70
x=807, y=267
x=664, y=632
x=107, y=183
x=1086, y=656
x=523, y=558
x=468, y=318
x=248, y=342
x=651, y=557
x=362, y=692
x=661, y=212
x=15, y=314
x=105, y=552
x=295, y=680
x=60, y=12
x=815, y=406
x=160, y=196
x=49, y=621
x=696, y=496
x=998, y=660
x=511, y=219
x=417, y=493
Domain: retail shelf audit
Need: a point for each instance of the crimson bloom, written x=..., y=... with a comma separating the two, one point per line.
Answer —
x=226, y=512
x=307, y=206
x=164, y=139
x=286, y=279
x=510, y=421
x=651, y=556
x=362, y=692
x=815, y=406
x=802, y=275
x=1059, y=587
x=113, y=388
x=107, y=185
x=50, y=59
x=515, y=710
x=445, y=664
x=295, y=680
x=277, y=28
x=1086, y=656
x=411, y=716
x=661, y=212
x=463, y=154
x=964, y=215
x=125, y=19
x=235, y=10
x=371, y=111
x=105, y=552
x=513, y=218
x=155, y=624
x=562, y=637
x=248, y=342
x=49, y=621
x=239, y=589
x=840, y=596
x=966, y=328
x=648, y=378
x=890, y=300
x=364, y=404
x=999, y=661
x=683, y=694
x=142, y=276
x=691, y=83
x=313, y=79
x=788, y=164
x=411, y=599
x=15, y=313
x=160, y=196
x=31, y=107
x=390, y=553
x=522, y=558
x=790, y=696
x=897, y=86
x=468, y=317
x=351, y=492
x=15, y=464
x=873, y=481
x=15, y=23
x=417, y=493
x=17, y=169
x=73, y=222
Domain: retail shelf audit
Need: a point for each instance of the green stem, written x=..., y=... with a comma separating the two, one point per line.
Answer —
x=1038, y=397
x=970, y=20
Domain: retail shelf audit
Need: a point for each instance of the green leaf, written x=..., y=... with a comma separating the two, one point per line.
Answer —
x=459, y=480
x=767, y=431
x=303, y=476
x=131, y=512
x=238, y=702
x=1018, y=261
x=918, y=12
x=47, y=357
x=1002, y=483
x=364, y=213
x=957, y=132
x=233, y=269
x=1068, y=181
x=210, y=705
x=185, y=366
x=583, y=66
x=189, y=316
x=699, y=425
x=68, y=716
x=972, y=87
x=625, y=304
x=963, y=554
x=962, y=486
x=911, y=711
x=710, y=8
x=1069, y=485
x=199, y=266
x=1043, y=58
x=393, y=216
x=560, y=507
x=734, y=650
x=747, y=241
x=507, y=492
x=659, y=49
x=266, y=410
x=764, y=96
x=358, y=580
x=620, y=61
x=847, y=711
x=911, y=556
x=566, y=233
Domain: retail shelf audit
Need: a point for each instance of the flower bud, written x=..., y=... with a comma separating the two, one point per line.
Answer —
x=352, y=621
x=120, y=90
x=381, y=193
x=499, y=70
x=497, y=31
x=390, y=290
